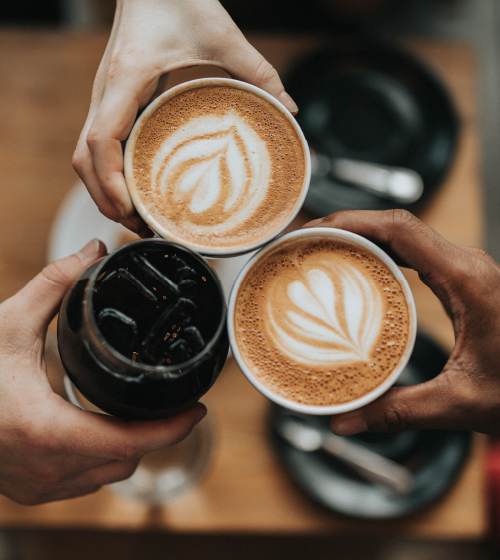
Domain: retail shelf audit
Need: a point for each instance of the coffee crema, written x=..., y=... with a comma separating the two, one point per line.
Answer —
x=219, y=166
x=321, y=322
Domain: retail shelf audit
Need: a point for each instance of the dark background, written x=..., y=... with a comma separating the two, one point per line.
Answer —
x=24, y=12
x=276, y=15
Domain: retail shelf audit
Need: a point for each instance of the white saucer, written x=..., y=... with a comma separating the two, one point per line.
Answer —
x=78, y=221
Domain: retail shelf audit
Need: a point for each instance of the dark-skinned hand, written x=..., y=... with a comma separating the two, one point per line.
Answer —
x=466, y=394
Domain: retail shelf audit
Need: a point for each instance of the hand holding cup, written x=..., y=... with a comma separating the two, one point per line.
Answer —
x=217, y=165
x=50, y=449
x=148, y=40
x=321, y=321
x=466, y=395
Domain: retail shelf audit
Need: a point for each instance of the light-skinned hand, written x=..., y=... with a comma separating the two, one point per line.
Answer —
x=466, y=394
x=150, y=38
x=49, y=449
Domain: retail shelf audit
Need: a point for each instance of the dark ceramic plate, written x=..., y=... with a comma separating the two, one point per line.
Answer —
x=435, y=457
x=372, y=102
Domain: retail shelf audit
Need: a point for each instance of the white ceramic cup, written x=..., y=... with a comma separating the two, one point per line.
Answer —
x=161, y=231
x=337, y=235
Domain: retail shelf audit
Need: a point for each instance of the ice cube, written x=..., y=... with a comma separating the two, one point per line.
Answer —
x=193, y=336
x=178, y=351
x=124, y=274
x=147, y=268
x=119, y=329
x=175, y=314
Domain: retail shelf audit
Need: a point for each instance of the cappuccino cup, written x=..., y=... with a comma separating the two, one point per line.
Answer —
x=321, y=321
x=217, y=165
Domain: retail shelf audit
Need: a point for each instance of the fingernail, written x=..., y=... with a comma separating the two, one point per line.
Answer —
x=350, y=426
x=90, y=250
x=201, y=414
x=314, y=223
x=288, y=102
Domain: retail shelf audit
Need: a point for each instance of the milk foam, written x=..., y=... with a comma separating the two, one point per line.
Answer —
x=321, y=322
x=324, y=322
x=218, y=166
x=209, y=163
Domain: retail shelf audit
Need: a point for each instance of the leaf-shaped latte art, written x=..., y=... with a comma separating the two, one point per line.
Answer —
x=327, y=321
x=213, y=167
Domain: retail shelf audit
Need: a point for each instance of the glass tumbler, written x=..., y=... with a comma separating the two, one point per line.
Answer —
x=165, y=475
x=142, y=334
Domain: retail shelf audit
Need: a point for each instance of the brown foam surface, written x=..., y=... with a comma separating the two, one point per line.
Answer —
x=321, y=322
x=262, y=198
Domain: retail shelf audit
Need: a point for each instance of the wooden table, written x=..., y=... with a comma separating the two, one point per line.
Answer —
x=45, y=84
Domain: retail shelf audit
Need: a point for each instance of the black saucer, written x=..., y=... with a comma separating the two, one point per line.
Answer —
x=368, y=101
x=435, y=457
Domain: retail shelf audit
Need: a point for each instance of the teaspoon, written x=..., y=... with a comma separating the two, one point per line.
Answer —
x=370, y=465
x=400, y=184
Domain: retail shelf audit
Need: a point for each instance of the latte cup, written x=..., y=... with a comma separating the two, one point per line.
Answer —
x=321, y=321
x=217, y=165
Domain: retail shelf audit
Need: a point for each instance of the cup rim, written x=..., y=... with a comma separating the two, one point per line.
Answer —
x=355, y=239
x=146, y=371
x=157, y=228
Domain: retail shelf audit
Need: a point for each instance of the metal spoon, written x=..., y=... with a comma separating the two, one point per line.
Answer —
x=370, y=465
x=395, y=183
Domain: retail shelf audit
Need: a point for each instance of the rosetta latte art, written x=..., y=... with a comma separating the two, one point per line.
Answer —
x=212, y=166
x=326, y=322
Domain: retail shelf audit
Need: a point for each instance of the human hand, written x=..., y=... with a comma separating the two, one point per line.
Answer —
x=49, y=449
x=466, y=394
x=150, y=38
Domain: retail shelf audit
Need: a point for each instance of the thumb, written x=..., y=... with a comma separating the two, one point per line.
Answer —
x=98, y=435
x=245, y=63
x=439, y=263
x=430, y=405
x=40, y=299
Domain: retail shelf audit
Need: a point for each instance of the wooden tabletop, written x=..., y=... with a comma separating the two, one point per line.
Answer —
x=45, y=86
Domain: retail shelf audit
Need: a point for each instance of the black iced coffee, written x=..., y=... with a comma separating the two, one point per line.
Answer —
x=142, y=334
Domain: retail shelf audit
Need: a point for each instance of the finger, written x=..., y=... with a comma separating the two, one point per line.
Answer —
x=327, y=221
x=409, y=239
x=98, y=435
x=111, y=126
x=54, y=470
x=480, y=254
x=84, y=166
x=243, y=62
x=37, y=499
x=145, y=233
x=40, y=299
x=108, y=473
x=432, y=405
x=107, y=157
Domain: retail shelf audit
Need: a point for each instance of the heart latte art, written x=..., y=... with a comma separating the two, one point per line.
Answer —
x=321, y=322
x=217, y=166
x=326, y=323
